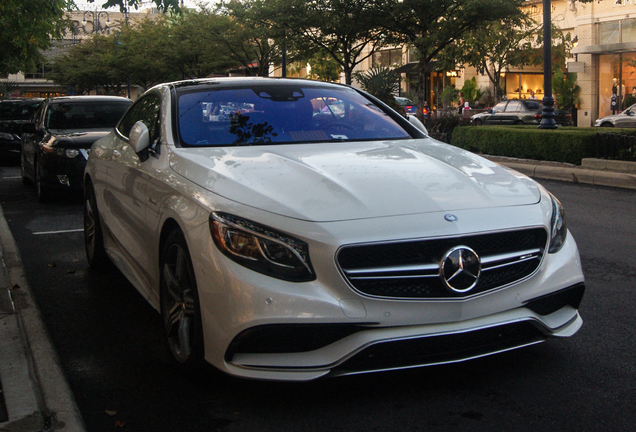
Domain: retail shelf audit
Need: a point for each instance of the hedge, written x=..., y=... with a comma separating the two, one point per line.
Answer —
x=565, y=144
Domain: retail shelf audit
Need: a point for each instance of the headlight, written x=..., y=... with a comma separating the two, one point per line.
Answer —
x=558, y=227
x=261, y=249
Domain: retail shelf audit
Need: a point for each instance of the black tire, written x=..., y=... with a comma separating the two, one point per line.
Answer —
x=478, y=122
x=42, y=190
x=180, y=305
x=93, y=234
x=607, y=125
x=518, y=123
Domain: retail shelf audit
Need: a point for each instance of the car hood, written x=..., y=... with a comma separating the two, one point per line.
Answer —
x=83, y=139
x=345, y=181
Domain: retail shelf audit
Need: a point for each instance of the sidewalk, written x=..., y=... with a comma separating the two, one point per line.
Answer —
x=34, y=394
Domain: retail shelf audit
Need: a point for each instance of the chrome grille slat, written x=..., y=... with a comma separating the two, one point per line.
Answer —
x=380, y=270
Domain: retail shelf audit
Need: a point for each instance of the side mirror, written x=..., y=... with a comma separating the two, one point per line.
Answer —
x=490, y=111
x=631, y=113
x=139, y=137
x=417, y=123
x=28, y=128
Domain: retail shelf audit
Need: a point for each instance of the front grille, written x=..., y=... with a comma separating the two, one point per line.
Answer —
x=411, y=269
x=441, y=349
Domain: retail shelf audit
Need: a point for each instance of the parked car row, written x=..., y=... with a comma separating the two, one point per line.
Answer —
x=14, y=113
x=56, y=142
x=518, y=112
x=307, y=231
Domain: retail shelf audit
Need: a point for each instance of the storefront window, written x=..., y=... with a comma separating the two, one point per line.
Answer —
x=617, y=76
x=522, y=86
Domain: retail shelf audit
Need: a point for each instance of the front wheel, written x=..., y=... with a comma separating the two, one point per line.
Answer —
x=93, y=234
x=607, y=125
x=42, y=190
x=180, y=304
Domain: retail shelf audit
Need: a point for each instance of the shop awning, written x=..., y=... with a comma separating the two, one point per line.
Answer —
x=614, y=48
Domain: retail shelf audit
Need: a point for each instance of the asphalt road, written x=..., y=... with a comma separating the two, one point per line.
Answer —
x=109, y=342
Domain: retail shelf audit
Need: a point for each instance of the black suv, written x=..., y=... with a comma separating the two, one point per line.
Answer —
x=13, y=113
x=517, y=112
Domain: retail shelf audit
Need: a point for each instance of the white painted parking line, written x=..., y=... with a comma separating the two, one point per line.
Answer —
x=59, y=232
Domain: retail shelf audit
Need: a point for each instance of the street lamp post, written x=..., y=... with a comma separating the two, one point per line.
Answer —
x=547, y=118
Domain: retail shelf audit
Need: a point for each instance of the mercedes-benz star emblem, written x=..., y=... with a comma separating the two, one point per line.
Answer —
x=460, y=269
x=450, y=217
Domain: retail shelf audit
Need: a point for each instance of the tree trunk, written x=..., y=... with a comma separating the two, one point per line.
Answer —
x=421, y=88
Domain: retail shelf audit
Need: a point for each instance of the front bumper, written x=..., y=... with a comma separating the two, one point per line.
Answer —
x=60, y=171
x=260, y=327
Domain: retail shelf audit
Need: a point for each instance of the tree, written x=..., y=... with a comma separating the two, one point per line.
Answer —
x=249, y=34
x=496, y=47
x=101, y=66
x=26, y=28
x=345, y=29
x=430, y=26
x=383, y=83
x=565, y=89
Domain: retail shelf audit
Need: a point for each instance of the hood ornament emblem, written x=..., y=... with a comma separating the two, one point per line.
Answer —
x=450, y=217
x=460, y=269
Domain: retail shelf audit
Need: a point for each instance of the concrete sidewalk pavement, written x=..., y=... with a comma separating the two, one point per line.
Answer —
x=35, y=395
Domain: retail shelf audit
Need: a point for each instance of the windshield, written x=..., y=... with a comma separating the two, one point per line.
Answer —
x=85, y=114
x=280, y=114
x=18, y=110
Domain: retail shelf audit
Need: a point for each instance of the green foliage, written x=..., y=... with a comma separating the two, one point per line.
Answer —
x=496, y=46
x=323, y=67
x=382, y=83
x=431, y=26
x=567, y=144
x=442, y=125
x=449, y=96
x=346, y=30
x=26, y=28
x=565, y=89
x=471, y=91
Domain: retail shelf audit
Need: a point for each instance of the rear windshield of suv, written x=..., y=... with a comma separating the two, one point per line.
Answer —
x=278, y=114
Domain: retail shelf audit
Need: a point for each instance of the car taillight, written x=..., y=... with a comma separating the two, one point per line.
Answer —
x=537, y=116
x=408, y=107
x=424, y=110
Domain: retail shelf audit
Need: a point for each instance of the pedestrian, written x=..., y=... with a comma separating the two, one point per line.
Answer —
x=532, y=96
x=460, y=103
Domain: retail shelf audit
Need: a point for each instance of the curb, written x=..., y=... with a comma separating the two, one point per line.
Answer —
x=568, y=172
x=37, y=395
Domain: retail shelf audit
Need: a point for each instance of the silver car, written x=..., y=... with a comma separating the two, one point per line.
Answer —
x=625, y=119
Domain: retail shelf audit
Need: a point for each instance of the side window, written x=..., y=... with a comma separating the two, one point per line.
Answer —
x=513, y=106
x=147, y=110
x=499, y=107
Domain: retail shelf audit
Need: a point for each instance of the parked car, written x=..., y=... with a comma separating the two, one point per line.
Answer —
x=55, y=144
x=625, y=119
x=13, y=113
x=279, y=244
x=518, y=112
x=409, y=106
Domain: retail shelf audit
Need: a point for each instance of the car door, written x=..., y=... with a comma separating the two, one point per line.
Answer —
x=512, y=113
x=497, y=114
x=627, y=119
x=127, y=192
x=30, y=140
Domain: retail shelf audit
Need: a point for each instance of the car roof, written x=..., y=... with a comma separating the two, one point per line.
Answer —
x=89, y=98
x=260, y=81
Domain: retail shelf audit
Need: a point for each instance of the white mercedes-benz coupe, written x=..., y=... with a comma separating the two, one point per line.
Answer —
x=290, y=229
